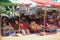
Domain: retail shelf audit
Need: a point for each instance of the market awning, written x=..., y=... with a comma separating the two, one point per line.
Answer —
x=48, y=2
x=21, y=2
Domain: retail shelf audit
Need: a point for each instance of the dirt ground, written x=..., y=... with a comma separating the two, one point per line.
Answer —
x=33, y=37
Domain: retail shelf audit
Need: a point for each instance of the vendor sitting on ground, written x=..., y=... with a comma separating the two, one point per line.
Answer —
x=51, y=26
x=24, y=28
x=35, y=28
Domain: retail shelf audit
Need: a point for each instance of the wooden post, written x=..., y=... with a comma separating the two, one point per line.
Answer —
x=19, y=24
x=44, y=20
x=0, y=28
x=19, y=20
x=43, y=33
x=0, y=25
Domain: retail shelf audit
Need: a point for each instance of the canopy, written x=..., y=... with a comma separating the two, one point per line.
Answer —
x=48, y=2
x=22, y=2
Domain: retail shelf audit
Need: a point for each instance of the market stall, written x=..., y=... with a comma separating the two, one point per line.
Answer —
x=48, y=3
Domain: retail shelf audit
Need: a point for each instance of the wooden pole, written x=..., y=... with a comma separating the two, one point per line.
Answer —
x=0, y=27
x=44, y=33
x=0, y=24
x=19, y=21
x=44, y=20
x=19, y=24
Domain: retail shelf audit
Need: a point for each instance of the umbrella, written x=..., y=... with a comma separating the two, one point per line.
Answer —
x=3, y=14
